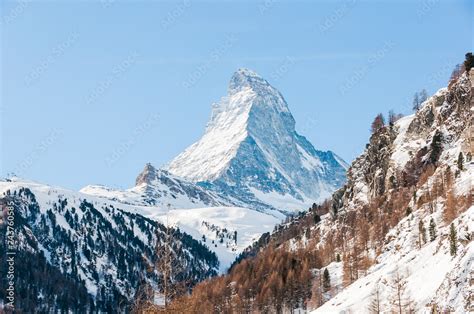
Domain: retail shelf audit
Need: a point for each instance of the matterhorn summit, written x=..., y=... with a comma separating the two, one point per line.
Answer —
x=252, y=153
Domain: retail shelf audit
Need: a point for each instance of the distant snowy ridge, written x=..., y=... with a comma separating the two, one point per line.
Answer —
x=158, y=187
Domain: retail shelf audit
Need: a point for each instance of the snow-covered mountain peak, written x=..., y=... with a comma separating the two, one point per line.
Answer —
x=251, y=147
x=244, y=79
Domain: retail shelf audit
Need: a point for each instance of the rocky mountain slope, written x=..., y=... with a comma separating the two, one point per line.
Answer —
x=251, y=152
x=430, y=153
x=397, y=237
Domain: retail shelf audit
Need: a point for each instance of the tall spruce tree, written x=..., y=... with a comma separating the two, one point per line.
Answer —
x=421, y=233
x=436, y=147
x=461, y=161
x=453, y=241
x=326, y=280
x=432, y=229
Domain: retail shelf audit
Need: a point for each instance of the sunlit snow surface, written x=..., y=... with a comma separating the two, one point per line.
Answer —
x=251, y=151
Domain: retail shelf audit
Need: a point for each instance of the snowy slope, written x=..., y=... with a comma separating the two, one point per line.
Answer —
x=432, y=276
x=215, y=223
x=251, y=152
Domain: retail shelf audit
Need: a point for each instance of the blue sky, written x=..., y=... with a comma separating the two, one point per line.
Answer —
x=92, y=90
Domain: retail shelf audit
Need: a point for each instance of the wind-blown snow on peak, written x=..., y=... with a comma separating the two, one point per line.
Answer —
x=251, y=151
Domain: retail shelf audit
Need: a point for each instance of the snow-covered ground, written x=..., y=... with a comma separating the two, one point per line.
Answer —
x=431, y=273
x=199, y=222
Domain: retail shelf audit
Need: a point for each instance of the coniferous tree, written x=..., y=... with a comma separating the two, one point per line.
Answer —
x=469, y=62
x=457, y=72
x=432, y=230
x=421, y=233
x=326, y=280
x=423, y=96
x=392, y=118
x=450, y=207
x=453, y=241
x=419, y=98
x=461, y=161
x=436, y=147
x=416, y=102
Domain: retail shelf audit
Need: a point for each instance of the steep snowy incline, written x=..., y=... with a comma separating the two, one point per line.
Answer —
x=251, y=152
x=430, y=274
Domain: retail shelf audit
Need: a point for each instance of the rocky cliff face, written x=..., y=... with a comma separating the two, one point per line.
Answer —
x=397, y=155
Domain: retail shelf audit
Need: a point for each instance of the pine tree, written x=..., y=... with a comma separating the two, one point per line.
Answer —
x=421, y=233
x=461, y=162
x=326, y=280
x=453, y=241
x=423, y=96
x=416, y=102
x=436, y=147
x=469, y=62
x=432, y=230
